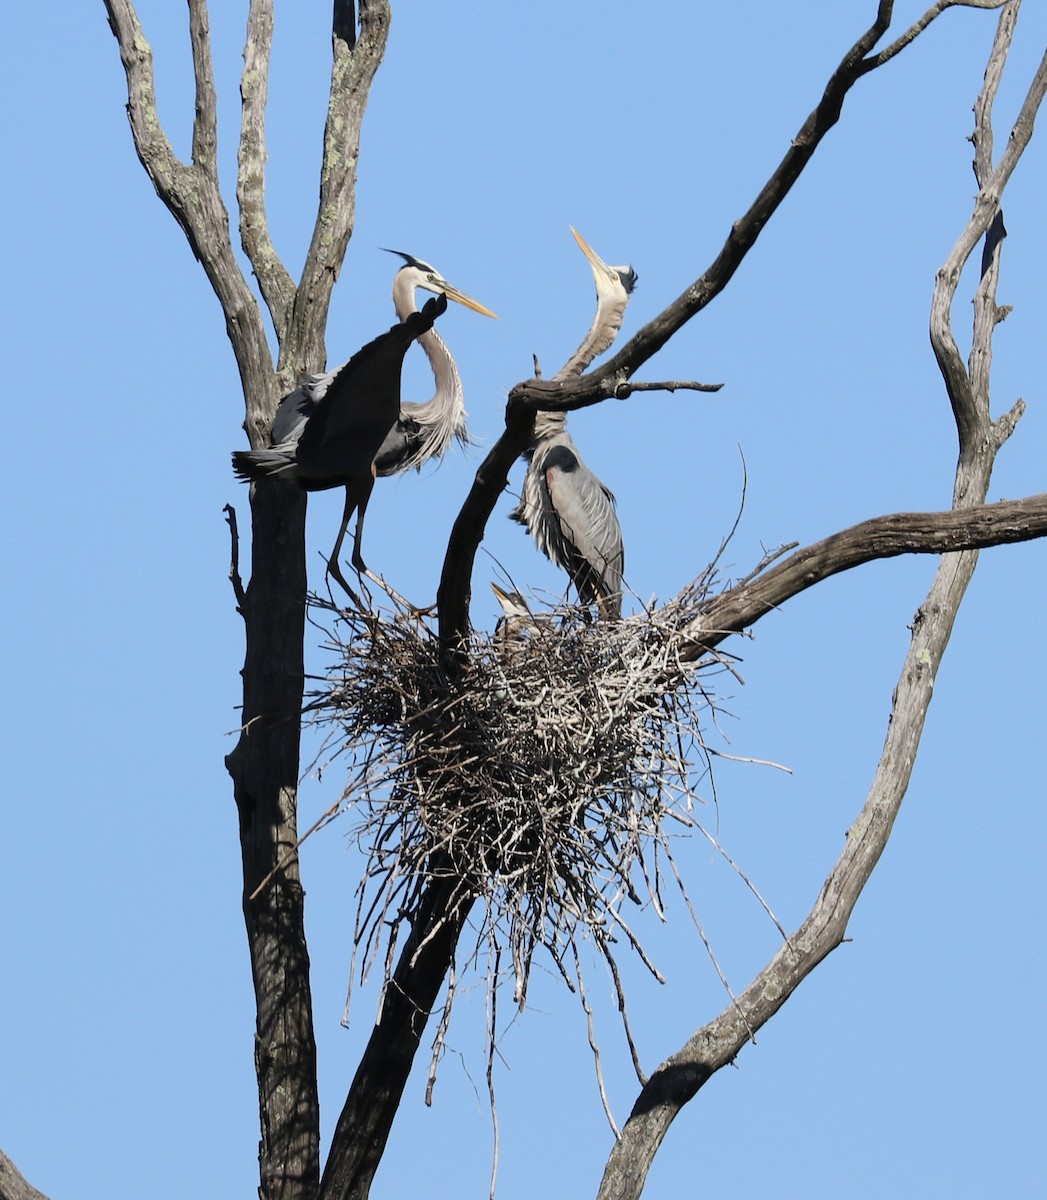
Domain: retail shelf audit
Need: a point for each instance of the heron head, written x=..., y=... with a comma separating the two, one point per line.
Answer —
x=418, y=274
x=610, y=281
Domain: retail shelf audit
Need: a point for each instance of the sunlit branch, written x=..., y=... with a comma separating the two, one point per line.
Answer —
x=352, y=73
x=946, y=532
x=275, y=283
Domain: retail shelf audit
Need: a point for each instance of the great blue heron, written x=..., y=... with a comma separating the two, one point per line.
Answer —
x=416, y=433
x=336, y=446
x=565, y=507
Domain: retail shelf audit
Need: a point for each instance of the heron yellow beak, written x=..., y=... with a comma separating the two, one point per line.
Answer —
x=452, y=293
x=595, y=261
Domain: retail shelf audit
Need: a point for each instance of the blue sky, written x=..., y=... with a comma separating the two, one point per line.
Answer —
x=911, y=1063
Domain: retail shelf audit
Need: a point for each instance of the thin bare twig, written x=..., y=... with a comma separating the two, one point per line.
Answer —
x=623, y=390
x=234, y=559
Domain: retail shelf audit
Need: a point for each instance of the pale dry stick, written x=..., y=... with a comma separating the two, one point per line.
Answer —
x=439, y=1040
x=593, y=1044
x=737, y=870
x=754, y=762
x=492, y=1026
x=623, y=1012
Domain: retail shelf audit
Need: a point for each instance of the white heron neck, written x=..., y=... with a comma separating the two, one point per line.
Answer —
x=549, y=424
x=448, y=400
x=603, y=331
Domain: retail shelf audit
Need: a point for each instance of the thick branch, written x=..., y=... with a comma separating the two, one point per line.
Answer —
x=264, y=768
x=191, y=194
x=352, y=72
x=12, y=1185
x=264, y=764
x=205, y=122
x=881, y=537
x=366, y=1119
x=273, y=279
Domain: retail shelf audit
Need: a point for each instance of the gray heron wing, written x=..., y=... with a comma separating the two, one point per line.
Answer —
x=589, y=534
x=399, y=447
x=294, y=411
x=361, y=405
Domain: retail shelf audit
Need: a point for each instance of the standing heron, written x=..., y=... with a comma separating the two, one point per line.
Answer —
x=564, y=506
x=416, y=431
x=421, y=430
x=336, y=446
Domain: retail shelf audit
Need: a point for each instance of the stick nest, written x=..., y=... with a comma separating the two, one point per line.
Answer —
x=543, y=777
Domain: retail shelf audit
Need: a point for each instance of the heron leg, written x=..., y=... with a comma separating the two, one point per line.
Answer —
x=333, y=567
x=358, y=561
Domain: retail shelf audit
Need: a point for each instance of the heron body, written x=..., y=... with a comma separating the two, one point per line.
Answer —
x=568, y=511
x=421, y=430
x=346, y=427
x=571, y=515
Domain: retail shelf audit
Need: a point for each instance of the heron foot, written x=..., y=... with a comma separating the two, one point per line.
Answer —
x=334, y=571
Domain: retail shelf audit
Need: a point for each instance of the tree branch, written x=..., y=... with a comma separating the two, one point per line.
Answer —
x=969, y=408
x=264, y=764
x=914, y=30
x=275, y=283
x=352, y=73
x=680, y=1077
x=969, y=528
x=192, y=196
x=12, y=1184
x=205, y=122
x=366, y=1119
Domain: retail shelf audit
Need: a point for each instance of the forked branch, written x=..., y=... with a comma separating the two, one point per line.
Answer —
x=191, y=192
x=680, y=1077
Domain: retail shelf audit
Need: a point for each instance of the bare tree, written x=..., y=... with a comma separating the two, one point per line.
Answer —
x=265, y=765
